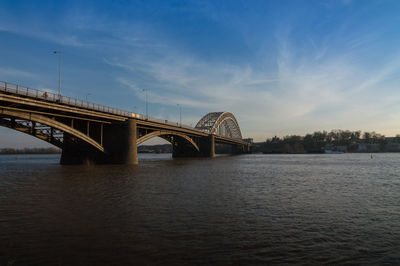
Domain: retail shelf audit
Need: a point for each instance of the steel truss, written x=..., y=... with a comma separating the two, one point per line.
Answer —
x=220, y=123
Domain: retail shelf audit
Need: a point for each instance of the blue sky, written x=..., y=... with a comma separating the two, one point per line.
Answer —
x=282, y=67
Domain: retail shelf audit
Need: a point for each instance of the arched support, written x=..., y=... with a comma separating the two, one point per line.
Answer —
x=159, y=133
x=31, y=128
x=226, y=121
x=53, y=124
x=206, y=148
x=212, y=123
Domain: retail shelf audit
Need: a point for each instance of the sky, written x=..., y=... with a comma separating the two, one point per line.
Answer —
x=282, y=67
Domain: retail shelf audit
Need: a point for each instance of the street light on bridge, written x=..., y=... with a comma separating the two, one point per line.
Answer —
x=147, y=111
x=87, y=94
x=59, y=73
x=180, y=113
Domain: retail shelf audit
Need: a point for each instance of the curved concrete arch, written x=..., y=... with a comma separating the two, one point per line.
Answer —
x=166, y=132
x=52, y=123
x=27, y=130
x=212, y=121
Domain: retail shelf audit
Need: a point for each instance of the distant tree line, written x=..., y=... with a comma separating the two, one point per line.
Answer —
x=30, y=151
x=161, y=148
x=319, y=141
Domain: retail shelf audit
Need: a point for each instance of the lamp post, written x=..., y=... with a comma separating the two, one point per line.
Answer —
x=59, y=73
x=180, y=114
x=147, y=110
x=87, y=94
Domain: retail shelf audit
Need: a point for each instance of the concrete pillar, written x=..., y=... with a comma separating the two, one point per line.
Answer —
x=78, y=152
x=120, y=144
x=131, y=143
x=206, y=145
x=212, y=146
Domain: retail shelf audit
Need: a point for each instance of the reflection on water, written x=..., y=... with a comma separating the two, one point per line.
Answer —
x=250, y=209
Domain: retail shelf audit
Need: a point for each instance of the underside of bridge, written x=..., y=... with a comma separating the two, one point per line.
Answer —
x=99, y=142
x=87, y=133
x=85, y=141
x=120, y=141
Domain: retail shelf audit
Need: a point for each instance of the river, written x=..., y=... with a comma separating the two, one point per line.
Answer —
x=231, y=210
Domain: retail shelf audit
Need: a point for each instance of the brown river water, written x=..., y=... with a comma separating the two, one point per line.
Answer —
x=232, y=210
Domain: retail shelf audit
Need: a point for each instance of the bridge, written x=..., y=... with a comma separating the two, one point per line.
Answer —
x=88, y=132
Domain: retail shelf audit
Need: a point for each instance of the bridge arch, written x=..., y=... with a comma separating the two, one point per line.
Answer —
x=165, y=134
x=7, y=119
x=220, y=123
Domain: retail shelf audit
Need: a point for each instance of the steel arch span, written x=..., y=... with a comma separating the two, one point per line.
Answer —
x=220, y=123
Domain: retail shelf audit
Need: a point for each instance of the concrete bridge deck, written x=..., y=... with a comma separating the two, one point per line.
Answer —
x=90, y=132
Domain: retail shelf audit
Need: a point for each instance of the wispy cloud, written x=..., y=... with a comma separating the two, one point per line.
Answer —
x=38, y=33
x=323, y=90
x=337, y=91
x=195, y=83
x=321, y=80
x=8, y=72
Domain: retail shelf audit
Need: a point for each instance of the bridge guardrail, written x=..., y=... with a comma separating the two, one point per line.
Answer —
x=53, y=97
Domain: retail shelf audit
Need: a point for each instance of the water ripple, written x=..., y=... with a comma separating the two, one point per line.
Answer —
x=253, y=209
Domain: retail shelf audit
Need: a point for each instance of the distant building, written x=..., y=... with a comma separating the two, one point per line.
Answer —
x=392, y=144
x=330, y=147
x=392, y=147
x=367, y=147
x=341, y=148
x=391, y=139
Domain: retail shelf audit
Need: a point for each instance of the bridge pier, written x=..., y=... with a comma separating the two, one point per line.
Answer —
x=211, y=152
x=76, y=151
x=240, y=149
x=131, y=154
x=120, y=145
x=206, y=148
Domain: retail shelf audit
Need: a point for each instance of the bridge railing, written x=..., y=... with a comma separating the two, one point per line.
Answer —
x=53, y=97
x=152, y=119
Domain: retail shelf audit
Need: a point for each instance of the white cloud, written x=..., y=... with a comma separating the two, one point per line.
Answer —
x=7, y=72
x=36, y=31
x=324, y=90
